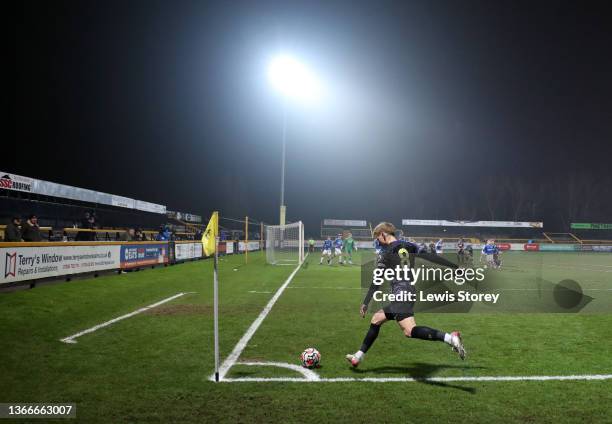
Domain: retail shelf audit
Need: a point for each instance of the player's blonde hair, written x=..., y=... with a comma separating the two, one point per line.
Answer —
x=384, y=227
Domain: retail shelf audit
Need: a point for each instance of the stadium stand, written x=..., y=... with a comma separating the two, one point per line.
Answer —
x=593, y=236
x=518, y=235
x=561, y=237
x=66, y=219
x=76, y=214
x=88, y=233
x=58, y=219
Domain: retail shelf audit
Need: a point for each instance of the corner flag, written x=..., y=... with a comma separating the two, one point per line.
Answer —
x=209, y=245
x=211, y=233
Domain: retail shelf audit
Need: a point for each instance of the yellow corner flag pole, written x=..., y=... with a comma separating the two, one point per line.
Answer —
x=210, y=245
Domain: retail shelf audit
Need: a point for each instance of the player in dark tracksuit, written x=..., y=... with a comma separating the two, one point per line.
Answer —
x=461, y=251
x=395, y=253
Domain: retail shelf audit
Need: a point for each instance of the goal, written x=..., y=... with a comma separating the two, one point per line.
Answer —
x=285, y=244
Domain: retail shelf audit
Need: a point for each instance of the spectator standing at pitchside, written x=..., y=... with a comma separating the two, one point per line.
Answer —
x=86, y=224
x=128, y=235
x=92, y=224
x=164, y=234
x=30, y=231
x=12, y=233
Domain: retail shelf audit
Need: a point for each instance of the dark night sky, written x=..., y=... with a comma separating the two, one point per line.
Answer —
x=168, y=102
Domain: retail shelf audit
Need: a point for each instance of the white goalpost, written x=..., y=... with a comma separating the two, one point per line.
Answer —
x=285, y=244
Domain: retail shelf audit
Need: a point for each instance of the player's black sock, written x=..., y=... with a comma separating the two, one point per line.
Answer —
x=426, y=333
x=371, y=335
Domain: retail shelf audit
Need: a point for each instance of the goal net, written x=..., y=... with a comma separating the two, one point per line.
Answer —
x=285, y=244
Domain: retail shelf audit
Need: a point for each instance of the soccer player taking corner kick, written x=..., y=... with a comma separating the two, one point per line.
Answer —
x=402, y=312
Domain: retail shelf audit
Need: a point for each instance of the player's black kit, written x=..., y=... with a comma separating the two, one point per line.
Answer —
x=469, y=255
x=460, y=252
x=432, y=248
x=397, y=254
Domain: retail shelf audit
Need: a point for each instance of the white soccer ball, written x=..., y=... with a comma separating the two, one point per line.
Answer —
x=310, y=358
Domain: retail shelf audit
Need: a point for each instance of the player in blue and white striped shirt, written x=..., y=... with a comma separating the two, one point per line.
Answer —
x=491, y=253
x=338, y=243
x=439, y=247
x=326, y=251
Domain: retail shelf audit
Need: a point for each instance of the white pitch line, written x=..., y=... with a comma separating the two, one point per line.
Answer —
x=325, y=288
x=359, y=288
x=547, y=290
x=588, y=377
x=597, y=265
x=233, y=357
x=70, y=339
x=537, y=265
x=307, y=373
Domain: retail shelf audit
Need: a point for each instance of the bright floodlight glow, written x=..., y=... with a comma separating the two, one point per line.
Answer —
x=292, y=78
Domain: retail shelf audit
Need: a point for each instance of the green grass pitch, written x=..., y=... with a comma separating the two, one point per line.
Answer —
x=155, y=366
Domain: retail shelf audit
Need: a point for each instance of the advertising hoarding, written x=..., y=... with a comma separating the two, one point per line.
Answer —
x=185, y=251
x=34, y=262
x=137, y=255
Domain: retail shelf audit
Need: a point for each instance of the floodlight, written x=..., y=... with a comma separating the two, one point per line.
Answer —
x=292, y=78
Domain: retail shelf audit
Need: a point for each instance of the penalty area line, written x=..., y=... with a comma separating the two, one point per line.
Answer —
x=242, y=343
x=71, y=339
x=588, y=377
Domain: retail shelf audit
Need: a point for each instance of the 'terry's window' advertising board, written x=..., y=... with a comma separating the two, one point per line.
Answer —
x=34, y=262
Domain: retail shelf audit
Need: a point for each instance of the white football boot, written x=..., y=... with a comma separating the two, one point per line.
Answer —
x=457, y=344
x=353, y=360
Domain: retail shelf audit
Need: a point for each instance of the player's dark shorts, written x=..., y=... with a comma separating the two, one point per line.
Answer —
x=399, y=311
